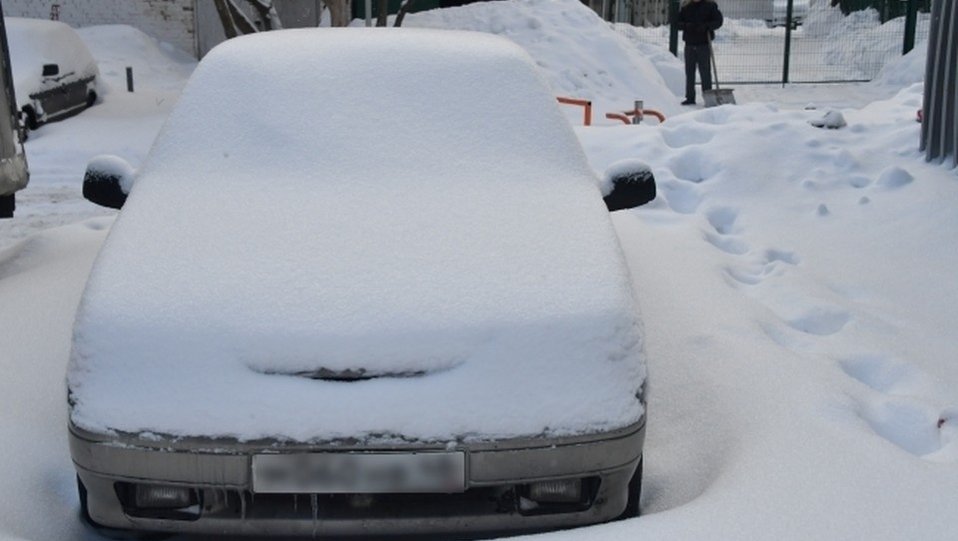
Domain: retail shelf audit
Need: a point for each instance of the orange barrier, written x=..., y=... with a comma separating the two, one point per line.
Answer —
x=654, y=113
x=624, y=116
x=585, y=104
x=618, y=116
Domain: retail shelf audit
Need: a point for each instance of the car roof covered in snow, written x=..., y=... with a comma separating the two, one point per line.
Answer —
x=409, y=204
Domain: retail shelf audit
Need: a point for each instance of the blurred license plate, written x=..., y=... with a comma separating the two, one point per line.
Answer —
x=332, y=473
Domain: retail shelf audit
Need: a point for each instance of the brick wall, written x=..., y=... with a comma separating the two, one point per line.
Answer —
x=171, y=21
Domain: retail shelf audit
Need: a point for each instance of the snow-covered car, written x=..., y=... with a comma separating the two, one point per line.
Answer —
x=365, y=282
x=773, y=12
x=780, y=13
x=54, y=74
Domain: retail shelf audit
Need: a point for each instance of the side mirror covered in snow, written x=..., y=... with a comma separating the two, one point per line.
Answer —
x=107, y=181
x=627, y=184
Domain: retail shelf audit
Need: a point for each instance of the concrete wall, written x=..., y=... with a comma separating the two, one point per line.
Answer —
x=172, y=21
x=293, y=14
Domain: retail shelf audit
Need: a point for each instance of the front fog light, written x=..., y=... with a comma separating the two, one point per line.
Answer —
x=564, y=491
x=163, y=497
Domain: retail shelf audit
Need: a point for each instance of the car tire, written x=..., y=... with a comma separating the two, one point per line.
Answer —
x=90, y=98
x=30, y=118
x=107, y=532
x=635, y=494
x=7, y=205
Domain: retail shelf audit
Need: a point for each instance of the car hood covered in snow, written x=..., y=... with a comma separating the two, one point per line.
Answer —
x=405, y=206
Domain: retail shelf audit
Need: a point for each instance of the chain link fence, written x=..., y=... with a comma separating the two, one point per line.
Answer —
x=803, y=41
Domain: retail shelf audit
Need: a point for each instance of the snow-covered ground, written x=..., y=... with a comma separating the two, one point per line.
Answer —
x=796, y=286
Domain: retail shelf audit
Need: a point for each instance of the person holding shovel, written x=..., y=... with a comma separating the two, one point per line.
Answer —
x=698, y=20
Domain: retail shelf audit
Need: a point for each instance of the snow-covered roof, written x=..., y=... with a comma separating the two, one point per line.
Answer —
x=389, y=200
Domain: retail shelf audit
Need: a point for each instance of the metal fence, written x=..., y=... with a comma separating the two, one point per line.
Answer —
x=939, y=131
x=805, y=41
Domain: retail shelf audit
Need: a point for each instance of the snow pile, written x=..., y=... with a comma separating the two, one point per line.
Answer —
x=35, y=42
x=860, y=40
x=466, y=258
x=832, y=120
x=648, y=42
x=580, y=54
x=156, y=65
x=905, y=70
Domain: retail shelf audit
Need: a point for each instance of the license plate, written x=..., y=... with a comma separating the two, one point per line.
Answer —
x=338, y=473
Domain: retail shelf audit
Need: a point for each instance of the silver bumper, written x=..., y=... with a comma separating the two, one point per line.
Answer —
x=221, y=473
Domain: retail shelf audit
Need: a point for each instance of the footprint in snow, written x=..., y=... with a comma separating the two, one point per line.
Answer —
x=767, y=267
x=743, y=276
x=820, y=320
x=681, y=197
x=729, y=245
x=898, y=415
x=846, y=160
x=910, y=424
x=885, y=374
x=772, y=255
x=693, y=165
x=722, y=219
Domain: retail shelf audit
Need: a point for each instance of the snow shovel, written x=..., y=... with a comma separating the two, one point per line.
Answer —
x=717, y=96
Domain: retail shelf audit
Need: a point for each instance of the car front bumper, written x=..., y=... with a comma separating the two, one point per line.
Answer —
x=497, y=474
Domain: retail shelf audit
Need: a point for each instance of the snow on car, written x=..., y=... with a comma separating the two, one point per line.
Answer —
x=54, y=74
x=365, y=281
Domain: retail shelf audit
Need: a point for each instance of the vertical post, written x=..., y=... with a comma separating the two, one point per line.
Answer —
x=637, y=111
x=911, y=21
x=789, y=12
x=129, y=79
x=368, y=6
x=674, y=27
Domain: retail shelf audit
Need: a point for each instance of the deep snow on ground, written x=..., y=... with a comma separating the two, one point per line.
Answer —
x=796, y=286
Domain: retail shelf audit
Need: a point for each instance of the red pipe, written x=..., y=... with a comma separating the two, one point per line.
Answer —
x=618, y=116
x=624, y=116
x=585, y=104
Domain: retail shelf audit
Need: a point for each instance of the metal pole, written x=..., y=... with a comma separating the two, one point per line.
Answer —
x=911, y=21
x=788, y=41
x=674, y=27
x=368, y=6
x=129, y=79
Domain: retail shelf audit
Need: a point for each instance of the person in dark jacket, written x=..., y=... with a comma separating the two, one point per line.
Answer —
x=698, y=20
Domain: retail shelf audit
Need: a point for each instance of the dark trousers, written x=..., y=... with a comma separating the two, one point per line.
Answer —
x=697, y=56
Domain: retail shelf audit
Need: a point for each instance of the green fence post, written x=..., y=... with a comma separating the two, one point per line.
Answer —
x=788, y=40
x=911, y=21
x=674, y=27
